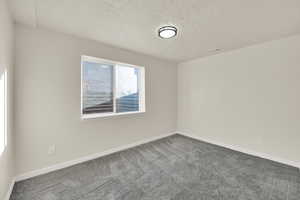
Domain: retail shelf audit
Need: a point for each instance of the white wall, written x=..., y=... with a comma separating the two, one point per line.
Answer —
x=47, y=105
x=6, y=76
x=247, y=98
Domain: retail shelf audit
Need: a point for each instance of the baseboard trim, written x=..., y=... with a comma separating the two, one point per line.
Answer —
x=10, y=189
x=59, y=166
x=243, y=150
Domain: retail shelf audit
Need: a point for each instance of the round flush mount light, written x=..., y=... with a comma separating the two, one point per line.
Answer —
x=167, y=32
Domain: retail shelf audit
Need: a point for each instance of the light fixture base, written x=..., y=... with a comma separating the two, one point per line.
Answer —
x=167, y=32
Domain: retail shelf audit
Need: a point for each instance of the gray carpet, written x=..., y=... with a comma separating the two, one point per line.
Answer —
x=176, y=167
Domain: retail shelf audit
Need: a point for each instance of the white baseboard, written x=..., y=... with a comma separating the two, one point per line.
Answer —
x=10, y=189
x=124, y=147
x=86, y=158
x=243, y=150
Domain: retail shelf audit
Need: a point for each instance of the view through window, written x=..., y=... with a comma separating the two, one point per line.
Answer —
x=110, y=88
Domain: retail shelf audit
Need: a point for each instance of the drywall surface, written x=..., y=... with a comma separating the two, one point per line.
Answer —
x=47, y=107
x=6, y=101
x=247, y=98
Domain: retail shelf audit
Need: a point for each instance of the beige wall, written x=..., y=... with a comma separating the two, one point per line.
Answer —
x=248, y=98
x=6, y=65
x=47, y=106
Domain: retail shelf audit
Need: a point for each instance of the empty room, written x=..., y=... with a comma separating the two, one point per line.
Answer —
x=149, y=100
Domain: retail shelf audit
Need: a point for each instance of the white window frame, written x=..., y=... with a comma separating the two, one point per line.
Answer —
x=141, y=88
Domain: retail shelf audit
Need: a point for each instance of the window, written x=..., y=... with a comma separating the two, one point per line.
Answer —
x=3, y=111
x=111, y=88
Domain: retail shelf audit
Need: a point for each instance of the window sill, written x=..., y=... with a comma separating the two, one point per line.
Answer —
x=102, y=115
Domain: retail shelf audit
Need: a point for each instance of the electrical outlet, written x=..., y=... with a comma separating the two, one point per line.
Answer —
x=51, y=149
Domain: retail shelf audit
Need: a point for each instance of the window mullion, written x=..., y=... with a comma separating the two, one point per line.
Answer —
x=115, y=88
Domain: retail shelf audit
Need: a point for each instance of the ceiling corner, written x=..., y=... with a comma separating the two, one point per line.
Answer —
x=24, y=11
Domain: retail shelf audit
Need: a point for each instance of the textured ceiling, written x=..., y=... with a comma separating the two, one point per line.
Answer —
x=204, y=25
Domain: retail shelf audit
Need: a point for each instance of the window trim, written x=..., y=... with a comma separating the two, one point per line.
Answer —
x=141, y=88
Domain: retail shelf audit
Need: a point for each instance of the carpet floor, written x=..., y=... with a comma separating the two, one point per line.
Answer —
x=172, y=168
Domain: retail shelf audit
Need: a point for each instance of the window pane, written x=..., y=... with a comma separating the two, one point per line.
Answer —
x=97, y=88
x=127, y=89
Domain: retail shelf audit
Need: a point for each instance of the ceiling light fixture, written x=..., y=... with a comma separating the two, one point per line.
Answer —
x=167, y=32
